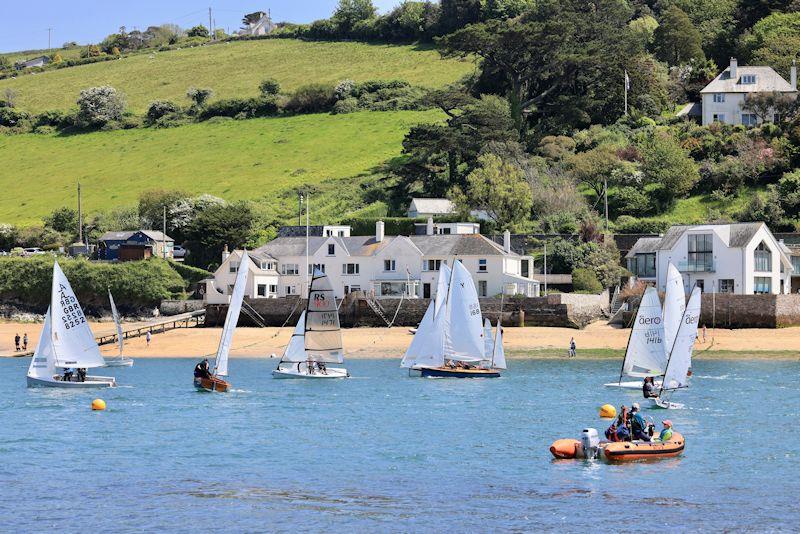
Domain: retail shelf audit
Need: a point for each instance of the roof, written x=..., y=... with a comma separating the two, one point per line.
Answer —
x=692, y=109
x=740, y=234
x=767, y=80
x=155, y=235
x=432, y=205
x=115, y=236
x=644, y=245
x=458, y=245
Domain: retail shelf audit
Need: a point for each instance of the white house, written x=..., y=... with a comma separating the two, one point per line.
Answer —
x=39, y=61
x=261, y=26
x=723, y=98
x=378, y=265
x=430, y=207
x=741, y=258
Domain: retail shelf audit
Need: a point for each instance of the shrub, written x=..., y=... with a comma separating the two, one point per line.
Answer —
x=630, y=201
x=240, y=108
x=344, y=89
x=269, y=87
x=13, y=118
x=199, y=96
x=312, y=98
x=630, y=225
x=100, y=105
x=347, y=105
x=585, y=281
x=159, y=109
x=55, y=118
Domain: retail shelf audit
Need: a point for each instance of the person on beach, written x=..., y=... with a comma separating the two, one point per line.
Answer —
x=704, y=333
x=25, y=341
x=572, y=348
x=147, y=338
x=16, y=341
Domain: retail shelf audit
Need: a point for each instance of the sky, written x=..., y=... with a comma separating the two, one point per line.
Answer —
x=24, y=23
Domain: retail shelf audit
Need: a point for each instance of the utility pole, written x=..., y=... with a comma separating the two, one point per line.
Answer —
x=210, y=27
x=627, y=86
x=545, y=268
x=605, y=199
x=49, y=33
x=307, y=229
x=80, y=216
x=164, y=235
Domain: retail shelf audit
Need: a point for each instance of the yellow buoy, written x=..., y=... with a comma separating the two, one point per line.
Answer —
x=607, y=411
x=98, y=404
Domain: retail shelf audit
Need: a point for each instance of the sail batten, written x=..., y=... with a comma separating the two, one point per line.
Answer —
x=232, y=317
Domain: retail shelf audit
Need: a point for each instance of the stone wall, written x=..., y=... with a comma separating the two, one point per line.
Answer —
x=176, y=307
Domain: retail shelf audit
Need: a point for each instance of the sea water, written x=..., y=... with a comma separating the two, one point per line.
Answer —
x=385, y=452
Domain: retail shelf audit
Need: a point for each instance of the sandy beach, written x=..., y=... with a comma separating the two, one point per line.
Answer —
x=596, y=340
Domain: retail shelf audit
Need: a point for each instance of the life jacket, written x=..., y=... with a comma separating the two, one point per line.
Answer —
x=666, y=434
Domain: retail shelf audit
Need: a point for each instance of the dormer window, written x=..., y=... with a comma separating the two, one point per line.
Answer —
x=748, y=79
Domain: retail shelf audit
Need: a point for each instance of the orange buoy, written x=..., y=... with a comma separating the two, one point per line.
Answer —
x=98, y=405
x=564, y=448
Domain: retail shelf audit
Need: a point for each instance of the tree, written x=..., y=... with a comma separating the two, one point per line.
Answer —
x=598, y=167
x=100, y=105
x=789, y=193
x=269, y=87
x=350, y=12
x=504, y=9
x=199, y=96
x=677, y=41
x=252, y=18
x=63, y=220
x=233, y=225
x=152, y=204
x=766, y=106
x=456, y=14
x=775, y=40
x=585, y=281
x=499, y=189
x=668, y=167
x=198, y=31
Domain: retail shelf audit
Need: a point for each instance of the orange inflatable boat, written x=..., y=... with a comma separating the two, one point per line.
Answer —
x=590, y=447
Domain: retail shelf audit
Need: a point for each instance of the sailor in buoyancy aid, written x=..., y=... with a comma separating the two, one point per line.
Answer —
x=201, y=369
x=639, y=427
x=618, y=431
x=649, y=388
x=666, y=434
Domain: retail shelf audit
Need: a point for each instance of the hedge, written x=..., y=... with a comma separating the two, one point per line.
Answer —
x=190, y=274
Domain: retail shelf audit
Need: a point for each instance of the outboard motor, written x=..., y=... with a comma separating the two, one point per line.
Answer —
x=590, y=442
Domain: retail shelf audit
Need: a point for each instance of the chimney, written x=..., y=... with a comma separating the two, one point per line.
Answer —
x=793, y=74
x=507, y=242
x=429, y=227
x=379, y=231
x=734, y=69
x=225, y=253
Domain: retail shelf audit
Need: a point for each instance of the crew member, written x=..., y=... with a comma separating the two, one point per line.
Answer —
x=649, y=388
x=201, y=370
x=638, y=424
x=666, y=434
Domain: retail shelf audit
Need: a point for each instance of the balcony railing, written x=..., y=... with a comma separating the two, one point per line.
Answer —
x=697, y=267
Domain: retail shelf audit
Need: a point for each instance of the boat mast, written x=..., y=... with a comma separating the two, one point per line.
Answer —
x=627, y=345
x=669, y=359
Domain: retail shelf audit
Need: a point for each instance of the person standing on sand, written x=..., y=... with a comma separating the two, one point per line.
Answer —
x=572, y=348
x=16, y=341
x=704, y=333
x=25, y=341
x=147, y=338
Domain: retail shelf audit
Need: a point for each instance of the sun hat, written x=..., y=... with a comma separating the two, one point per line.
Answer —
x=667, y=422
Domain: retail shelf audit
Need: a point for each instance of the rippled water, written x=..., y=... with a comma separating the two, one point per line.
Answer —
x=382, y=451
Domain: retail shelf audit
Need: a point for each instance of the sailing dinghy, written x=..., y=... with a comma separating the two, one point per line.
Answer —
x=451, y=341
x=220, y=369
x=317, y=338
x=66, y=344
x=676, y=375
x=117, y=361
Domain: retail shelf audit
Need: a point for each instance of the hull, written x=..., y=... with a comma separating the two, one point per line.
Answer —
x=91, y=382
x=447, y=372
x=121, y=362
x=666, y=405
x=622, y=451
x=211, y=384
x=293, y=373
x=631, y=384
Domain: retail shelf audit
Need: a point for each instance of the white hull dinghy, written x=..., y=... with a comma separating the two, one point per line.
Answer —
x=117, y=361
x=66, y=343
x=631, y=384
x=317, y=338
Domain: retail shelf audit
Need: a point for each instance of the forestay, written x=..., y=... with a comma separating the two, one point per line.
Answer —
x=232, y=317
x=43, y=361
x=115, y=315
x=464, y=339
x=72, y=342
x=680, y=359
x=296, y=350
x=645, y=355
x=674, y=306
x=323, y=337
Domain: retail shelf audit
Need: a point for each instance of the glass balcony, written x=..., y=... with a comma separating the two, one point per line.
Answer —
x=700, y=266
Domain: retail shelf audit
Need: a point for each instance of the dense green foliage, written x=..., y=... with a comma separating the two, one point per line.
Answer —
x=585, y=281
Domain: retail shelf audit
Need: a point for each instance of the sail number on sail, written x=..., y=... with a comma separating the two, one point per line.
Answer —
x=72, y=314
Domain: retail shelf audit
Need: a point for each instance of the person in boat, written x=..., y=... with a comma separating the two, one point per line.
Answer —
x=649, y=388
x=311, y=367
x=322, y=368
x=68, y=374
x=201, y=369
x=666, y=433
x=618, y=431
x=81, y=374
x=450, y=363
x=638, y=424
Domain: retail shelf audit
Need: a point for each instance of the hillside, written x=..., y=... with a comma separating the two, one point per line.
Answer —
x=234, y=70
x=251, y=159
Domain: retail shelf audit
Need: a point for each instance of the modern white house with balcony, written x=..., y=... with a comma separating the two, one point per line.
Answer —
x=740, y=258
x=378, y=265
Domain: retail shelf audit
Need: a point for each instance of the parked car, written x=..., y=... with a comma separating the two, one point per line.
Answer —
x=30, y=251
x=178, y=252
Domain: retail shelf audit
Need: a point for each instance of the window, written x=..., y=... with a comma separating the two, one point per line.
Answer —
x=719, y=97
x=482, y=265
x=233, y=266
x=355, y=288
x=701, y=284
x=643, y=265
x=718, y=117
x=389, y=266
x=431, y=265
x=266, y=265
x=273, y=288
x=748, y=79
x=331, y=249
x=320, y=266
x=444, y=231
x=328, y=233
x=763, y=258
x=701, y=253
x=291, y=290
x=726, y=285
x=749, y=119
x=262, y=290
x=762, y=285
x=482, y=288
x=290, y=269
x=796, y=265
x=350, y=268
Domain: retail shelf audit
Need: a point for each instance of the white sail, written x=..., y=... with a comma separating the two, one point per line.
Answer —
x=421, y=342
x=488, y=339
x=115, y=315
x=499, y=355
x=646, y=354
x=232, y=317
x=674, y=306
x=323, y=337
x=442, y=286
x=680, y=359
x=296, y=350
x=429, y=348
x=73, y=342
x=464, y=339
x=43, y=361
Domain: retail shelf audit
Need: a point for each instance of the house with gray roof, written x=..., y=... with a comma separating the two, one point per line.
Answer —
x=134, y=245
x=430, y=207
x=378, y=265
x=724, y=99
x=741, y=258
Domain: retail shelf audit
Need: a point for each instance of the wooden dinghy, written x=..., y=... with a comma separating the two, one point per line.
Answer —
x=211, y=384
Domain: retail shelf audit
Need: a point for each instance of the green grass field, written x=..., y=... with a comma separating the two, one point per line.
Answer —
x=72, y=53
x=251, y=159
x=235, y=70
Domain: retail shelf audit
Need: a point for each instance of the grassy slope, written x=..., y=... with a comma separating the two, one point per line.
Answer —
x=235, y=70
x=72, y=53
x=255, y=158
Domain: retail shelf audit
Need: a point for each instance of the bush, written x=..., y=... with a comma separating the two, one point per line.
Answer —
x=190, y=274
x=585, y=281
x=55, y=118
x=240, y=108
x=159, y=109
x=100, y=105
x=347, y=105
x=13, y=118
x=312, y=98
x=199, y=96
x=630, y=225
x=630, y=201
x=270, y=87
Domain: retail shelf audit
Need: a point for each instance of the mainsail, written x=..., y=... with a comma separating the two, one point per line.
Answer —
x=427, y=346
x=442, y=287
x=674, y=306
x=232, y=317
x=499, y=355
x=72, y=340
x=464, y=337
x=680, y=358
x=645, y=355
x=43, y=361
x=488, y=339
x=296, y=350
x=323, y=337
x=115, y=315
